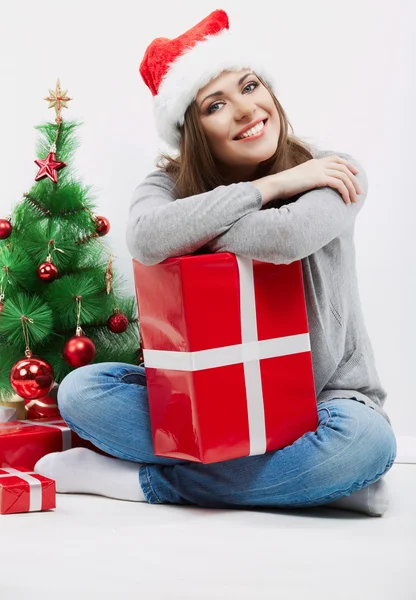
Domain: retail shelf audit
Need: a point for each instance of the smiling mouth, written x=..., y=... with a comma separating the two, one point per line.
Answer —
x=238, y=138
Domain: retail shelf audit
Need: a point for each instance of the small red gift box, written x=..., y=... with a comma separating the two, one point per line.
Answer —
x=42, y=408
x=227, y=355
x=23, y=443
x=25, y=491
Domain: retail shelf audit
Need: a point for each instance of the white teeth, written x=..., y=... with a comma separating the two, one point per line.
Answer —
x=252, y=131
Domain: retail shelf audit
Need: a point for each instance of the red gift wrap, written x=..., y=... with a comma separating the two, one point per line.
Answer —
x=24, y=491
x=42, y=408
x=23, y=443
x=227, y=355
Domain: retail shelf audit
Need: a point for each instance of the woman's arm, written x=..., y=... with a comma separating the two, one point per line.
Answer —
x=293, y=231
x=161, y=226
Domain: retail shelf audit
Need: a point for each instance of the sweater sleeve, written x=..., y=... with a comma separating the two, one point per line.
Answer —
x=161, y=226
x=294, y=231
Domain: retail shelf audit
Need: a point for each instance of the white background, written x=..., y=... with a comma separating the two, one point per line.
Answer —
x=346, y=81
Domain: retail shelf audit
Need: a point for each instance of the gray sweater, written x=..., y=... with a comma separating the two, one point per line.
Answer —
x=317, y=228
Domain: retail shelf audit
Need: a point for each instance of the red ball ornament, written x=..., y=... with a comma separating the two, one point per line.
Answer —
x=5, y=229
x=1, y=307
x=103, y=225
x=79, y=351
x=31, y=378
x=118, y=322
x=47, y=272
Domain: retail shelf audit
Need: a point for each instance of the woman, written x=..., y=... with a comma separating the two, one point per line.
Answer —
x=241, y=183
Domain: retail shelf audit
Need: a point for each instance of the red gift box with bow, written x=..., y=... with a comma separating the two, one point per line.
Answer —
x=45, y=407
x=24, y=491
x=23, y=443
x=227, y=355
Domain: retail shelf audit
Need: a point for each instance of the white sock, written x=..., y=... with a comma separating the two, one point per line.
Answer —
x=372, y=500
x=82, y=471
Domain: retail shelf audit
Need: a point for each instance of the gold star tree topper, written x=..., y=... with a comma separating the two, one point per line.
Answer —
x=58, y=99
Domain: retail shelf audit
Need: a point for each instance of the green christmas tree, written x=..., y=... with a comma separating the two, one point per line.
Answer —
x=60, y=302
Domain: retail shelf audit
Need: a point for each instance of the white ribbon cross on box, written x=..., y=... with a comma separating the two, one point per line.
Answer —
x=35, y=487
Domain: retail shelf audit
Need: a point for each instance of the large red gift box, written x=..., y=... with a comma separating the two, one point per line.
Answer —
x=227, y=355
x=23, y=443
x=25, y=491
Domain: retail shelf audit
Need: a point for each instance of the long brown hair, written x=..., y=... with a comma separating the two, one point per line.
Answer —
x=195, y=170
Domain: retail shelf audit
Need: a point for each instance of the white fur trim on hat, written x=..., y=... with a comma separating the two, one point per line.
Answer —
x=193, y=70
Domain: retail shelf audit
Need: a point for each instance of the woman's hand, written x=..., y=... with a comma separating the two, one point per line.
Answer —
x=330, y=171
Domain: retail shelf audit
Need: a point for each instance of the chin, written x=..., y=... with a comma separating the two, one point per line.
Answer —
x=272, y=152
x=262, y=157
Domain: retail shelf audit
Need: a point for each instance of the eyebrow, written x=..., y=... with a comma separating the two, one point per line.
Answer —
x=219, y=93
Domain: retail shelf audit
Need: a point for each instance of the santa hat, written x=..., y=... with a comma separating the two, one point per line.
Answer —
x=175, y=70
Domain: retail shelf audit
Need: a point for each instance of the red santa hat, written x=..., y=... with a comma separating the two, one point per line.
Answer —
x=175, y=70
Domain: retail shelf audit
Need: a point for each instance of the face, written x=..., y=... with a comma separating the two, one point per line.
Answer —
x=229, y=104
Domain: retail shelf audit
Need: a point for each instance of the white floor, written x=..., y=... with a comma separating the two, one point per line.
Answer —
x=92, y=547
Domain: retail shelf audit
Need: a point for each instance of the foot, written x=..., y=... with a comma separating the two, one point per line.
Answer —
x=82, y=471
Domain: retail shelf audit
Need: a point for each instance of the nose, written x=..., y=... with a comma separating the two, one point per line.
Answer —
x=244, y=108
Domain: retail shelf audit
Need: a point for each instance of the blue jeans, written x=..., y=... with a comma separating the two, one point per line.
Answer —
x=352, y=447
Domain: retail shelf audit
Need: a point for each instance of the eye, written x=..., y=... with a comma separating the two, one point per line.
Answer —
x=209, y=111
x=252, y=83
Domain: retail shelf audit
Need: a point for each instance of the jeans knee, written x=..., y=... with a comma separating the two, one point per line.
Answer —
x=390, y=447
x=69, y=397
x=366, y=441
x=380, y=444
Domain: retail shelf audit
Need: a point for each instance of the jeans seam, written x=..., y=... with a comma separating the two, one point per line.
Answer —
x=339, y=453
x=329, y=416
x=149, y=484
x=350, y=490
x=389, y=464
x=332, y=497
x=121, y=377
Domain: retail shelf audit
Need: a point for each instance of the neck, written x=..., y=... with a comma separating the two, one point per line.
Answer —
x=236, y=174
